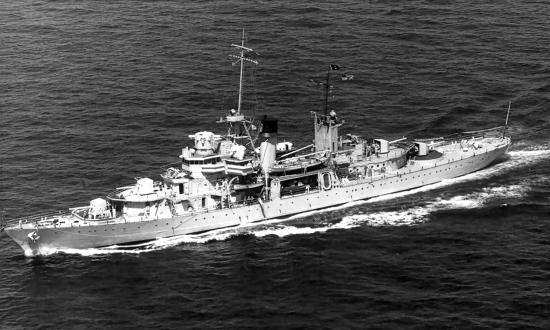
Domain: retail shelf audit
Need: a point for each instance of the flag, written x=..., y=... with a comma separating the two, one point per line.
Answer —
x=334, y=67
x=346, y=76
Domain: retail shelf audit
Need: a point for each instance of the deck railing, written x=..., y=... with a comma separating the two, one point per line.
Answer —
x=35, y=218
x=490, y=132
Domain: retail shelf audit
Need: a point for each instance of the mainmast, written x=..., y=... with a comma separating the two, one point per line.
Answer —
x=331, y=67
x=241, y=59
x=327, y=89
x=326, y=127
x=239, y=127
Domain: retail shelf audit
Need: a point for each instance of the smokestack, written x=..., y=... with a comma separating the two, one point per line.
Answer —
x=269, y=126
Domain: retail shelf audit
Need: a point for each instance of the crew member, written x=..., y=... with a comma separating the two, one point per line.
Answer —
x=332, y=115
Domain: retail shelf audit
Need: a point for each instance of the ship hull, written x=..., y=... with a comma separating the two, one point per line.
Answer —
x=91, y=236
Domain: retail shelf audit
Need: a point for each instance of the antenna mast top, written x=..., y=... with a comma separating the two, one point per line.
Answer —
x=240, y=58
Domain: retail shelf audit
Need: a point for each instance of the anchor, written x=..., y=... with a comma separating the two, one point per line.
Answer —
x=34, y=236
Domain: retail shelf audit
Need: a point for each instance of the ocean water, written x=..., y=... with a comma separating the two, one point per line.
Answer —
x=96, y=93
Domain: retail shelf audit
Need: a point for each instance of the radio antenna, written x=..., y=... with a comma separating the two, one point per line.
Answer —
x=240, y=58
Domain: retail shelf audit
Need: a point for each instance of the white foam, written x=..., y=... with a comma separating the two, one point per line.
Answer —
x=530, y=154
x=46, y=251
x=406, y=217
x=460, y=202
x=511, y=191
x=283, y=231
x=520, y=158
x=481, y=198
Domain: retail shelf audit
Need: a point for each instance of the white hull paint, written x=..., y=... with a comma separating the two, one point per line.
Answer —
x=340, y=170
x=100, y=235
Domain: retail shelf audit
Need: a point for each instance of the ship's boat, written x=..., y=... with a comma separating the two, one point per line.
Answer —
x=298, y=165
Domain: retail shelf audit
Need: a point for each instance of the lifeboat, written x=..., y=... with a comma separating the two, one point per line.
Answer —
x=300, y=166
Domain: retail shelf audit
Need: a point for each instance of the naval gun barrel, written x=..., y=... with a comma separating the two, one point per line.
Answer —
x=398, y=140
x=295, y=151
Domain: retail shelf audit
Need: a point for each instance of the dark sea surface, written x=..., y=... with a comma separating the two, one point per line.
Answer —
x=95, y=93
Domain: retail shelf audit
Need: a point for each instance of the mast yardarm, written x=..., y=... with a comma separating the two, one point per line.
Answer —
x=240, y=58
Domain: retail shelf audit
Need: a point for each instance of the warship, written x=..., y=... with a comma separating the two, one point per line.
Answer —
x=245, y=175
